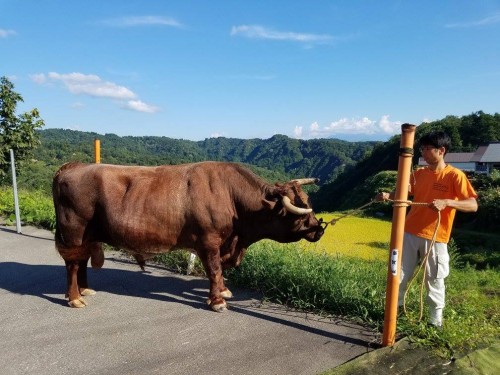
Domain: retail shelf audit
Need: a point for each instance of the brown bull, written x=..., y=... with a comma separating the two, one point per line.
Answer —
x=214, y=209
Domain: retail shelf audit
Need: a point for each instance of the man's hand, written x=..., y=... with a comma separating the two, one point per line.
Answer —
x=439, y=204
x=382, y=197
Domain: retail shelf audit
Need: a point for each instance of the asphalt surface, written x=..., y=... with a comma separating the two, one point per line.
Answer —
x=153, y=322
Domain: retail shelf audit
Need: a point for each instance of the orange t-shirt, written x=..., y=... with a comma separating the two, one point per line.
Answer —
x=427, y=185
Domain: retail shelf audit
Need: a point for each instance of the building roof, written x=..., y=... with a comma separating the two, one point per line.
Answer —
x=453, y=157
x=479, y=153
x=458, y=157
x=488, y=154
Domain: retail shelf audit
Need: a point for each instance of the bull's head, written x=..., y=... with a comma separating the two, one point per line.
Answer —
x=298, y=214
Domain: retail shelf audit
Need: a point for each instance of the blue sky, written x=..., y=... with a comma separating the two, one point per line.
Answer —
x=186, y=69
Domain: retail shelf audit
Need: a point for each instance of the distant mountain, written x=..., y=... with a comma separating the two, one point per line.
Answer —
x=290, y=158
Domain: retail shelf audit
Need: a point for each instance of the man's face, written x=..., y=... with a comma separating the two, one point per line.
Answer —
x=431, y=154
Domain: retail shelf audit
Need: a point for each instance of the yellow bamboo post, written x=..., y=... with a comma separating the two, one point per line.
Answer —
x=397, y=231
x=97, y=150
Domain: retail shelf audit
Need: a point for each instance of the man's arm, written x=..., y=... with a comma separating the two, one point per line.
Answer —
x=465, y=205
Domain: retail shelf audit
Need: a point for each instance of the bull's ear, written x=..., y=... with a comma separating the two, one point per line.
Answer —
x=273, y=195
x=268, y=203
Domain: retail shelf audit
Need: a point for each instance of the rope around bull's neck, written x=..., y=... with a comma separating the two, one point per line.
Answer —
x=404, y=203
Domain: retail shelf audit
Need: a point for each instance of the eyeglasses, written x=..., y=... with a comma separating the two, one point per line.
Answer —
x=427, y=148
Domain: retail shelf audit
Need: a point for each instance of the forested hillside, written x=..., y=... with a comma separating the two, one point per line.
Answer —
x=276, y=159
x=467, y=133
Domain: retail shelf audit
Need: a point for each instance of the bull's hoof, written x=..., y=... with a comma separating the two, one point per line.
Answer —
x=87, y=292
x=219, y=307
x=226, y=294
x=77, y=303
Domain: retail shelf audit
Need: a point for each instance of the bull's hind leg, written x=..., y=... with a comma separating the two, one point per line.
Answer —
x=83, y=285
x=76, y=258
x=73, y=294
x=96, y=260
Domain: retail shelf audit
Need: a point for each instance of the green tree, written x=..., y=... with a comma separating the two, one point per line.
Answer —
x=16, y=132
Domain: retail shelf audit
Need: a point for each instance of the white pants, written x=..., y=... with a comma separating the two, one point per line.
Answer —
x=436, y=269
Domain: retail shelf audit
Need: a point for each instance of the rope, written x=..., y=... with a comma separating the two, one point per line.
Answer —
x=403, y=203
x=424, y=262
x=348, y=213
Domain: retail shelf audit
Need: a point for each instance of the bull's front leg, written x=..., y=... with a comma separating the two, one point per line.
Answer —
x=212, y=264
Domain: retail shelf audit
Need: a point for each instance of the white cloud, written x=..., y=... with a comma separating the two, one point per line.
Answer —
x=352, y=126
x=297, y=132
x=140, y=106
x=363, y=126
x=142, y=21
x=482, y=22
x=260, y=32
x=314, y=127
x=92, y=85
x=389, y=127
x=6, y=33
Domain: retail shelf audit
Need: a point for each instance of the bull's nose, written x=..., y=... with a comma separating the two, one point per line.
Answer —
x=319, y=233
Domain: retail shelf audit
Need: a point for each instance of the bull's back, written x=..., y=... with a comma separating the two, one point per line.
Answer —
x=144, y=207
x=134, y=207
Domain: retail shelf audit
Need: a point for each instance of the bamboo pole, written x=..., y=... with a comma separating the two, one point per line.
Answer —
x=397, y=232
x=97, y=150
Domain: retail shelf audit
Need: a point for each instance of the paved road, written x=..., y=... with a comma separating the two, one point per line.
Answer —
x=153, y=322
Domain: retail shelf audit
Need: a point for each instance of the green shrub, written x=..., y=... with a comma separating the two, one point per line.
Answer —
x=36, y=207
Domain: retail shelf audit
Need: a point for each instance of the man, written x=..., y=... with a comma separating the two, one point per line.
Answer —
x=447, y=190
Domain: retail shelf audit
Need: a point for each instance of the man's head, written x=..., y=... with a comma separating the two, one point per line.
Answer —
x=436, y=139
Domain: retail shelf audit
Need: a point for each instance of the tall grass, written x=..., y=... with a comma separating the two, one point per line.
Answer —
x=35, y=207
x=308, y=280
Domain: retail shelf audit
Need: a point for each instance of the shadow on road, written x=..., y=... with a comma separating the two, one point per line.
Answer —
x=45, y=281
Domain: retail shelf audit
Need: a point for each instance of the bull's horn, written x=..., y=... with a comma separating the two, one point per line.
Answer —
x=306, y=181
x=294, y=209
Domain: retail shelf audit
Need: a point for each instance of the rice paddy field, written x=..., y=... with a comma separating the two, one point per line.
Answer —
x=360, y=237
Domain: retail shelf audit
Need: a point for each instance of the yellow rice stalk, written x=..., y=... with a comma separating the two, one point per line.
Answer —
x=365, y=238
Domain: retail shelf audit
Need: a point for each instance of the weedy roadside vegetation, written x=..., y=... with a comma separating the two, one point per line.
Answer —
x=343, y=275
x=36, y=208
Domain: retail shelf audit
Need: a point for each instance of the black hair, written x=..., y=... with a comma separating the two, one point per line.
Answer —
x=436, y=139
